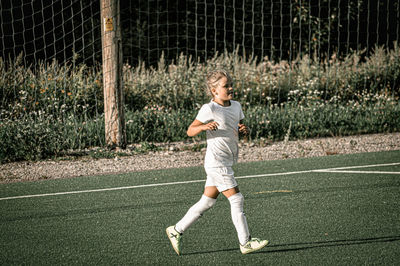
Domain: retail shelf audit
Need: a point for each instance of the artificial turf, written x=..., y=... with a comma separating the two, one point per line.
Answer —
x=310, y=218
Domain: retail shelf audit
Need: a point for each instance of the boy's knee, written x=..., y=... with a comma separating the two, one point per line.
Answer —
x=208, y=202
x=236, y=199
x=205, y=203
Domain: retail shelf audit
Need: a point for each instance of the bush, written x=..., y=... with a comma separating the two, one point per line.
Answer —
x=49, y=109
x=41, y=137
x=265, y=82
x=291, y=122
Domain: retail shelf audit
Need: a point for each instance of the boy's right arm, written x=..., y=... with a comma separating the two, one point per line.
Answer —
x=197, y=127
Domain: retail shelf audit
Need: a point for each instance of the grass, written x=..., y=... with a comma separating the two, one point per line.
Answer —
x=309, y=217
x=50, y=109
x=35, y=138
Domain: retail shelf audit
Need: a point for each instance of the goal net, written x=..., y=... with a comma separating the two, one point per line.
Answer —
x=51, y=80
x=279, y=29
x=42, y=30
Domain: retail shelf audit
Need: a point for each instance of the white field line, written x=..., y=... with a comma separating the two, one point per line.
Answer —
x=99, y=190
x=360, y=166
x=186, y=182
x=357, y=172
x=342, y=169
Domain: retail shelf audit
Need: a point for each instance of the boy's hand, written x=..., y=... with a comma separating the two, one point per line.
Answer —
x=243, y=129
x=211, y=126
x=197, y=127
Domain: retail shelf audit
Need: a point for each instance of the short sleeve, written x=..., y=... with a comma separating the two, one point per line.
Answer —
x=205, y=114
x=241, y=114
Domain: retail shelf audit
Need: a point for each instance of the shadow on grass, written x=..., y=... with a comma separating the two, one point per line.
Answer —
x=210, y=251
x=331, y=243
x=309, y=245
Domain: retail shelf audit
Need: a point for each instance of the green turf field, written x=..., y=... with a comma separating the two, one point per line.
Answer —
x=335, y=210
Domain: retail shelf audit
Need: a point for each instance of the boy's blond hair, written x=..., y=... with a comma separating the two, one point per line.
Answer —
x=213, y=78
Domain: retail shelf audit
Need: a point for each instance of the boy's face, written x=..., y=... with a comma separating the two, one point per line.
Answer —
x=224, y=90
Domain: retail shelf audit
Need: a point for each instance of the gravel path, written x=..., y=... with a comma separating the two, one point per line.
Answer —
x=174, y=156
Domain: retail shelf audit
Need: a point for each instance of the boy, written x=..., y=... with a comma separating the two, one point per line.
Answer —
x=222, y=121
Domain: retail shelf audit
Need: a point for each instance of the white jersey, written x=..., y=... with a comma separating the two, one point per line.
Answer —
x=222, y=144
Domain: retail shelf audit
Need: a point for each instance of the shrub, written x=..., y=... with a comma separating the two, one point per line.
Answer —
x=49, y=109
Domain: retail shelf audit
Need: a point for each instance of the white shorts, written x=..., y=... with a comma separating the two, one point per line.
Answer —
x=220, y=177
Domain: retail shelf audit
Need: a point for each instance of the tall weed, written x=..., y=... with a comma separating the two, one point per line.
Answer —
x=49, y=109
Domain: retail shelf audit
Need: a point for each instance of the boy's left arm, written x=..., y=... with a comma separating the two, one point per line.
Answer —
x=243, y=129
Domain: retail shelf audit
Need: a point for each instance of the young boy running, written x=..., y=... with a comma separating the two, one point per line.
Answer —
x=222, y=121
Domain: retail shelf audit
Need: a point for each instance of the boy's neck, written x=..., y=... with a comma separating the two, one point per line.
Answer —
x=222, y=103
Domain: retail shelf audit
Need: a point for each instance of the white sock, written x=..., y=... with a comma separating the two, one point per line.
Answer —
x=238, y=217
x=194, y=213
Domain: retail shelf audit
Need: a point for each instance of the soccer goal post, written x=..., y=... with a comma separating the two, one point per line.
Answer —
x=115, y=134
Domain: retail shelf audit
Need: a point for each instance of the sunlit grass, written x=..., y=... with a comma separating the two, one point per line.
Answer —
x=49, y=109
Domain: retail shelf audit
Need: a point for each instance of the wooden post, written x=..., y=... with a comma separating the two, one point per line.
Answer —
x=114, y=116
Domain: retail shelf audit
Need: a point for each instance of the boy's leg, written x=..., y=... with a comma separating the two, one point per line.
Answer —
x=207, y=200
x=236, y=200
x=247, y=244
